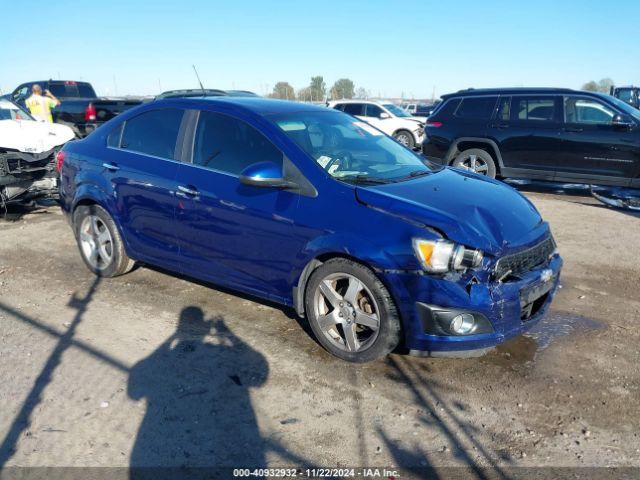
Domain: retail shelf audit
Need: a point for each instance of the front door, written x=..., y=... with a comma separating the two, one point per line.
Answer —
x=230, y=233
x=594, y=150
x=142, y=166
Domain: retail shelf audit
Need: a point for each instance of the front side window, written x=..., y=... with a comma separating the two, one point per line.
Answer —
x=351, y=150
x=478, y=108
x=539, y=109
x=153, y=133
x=397, y=111
x=11, y=111
x=230, y=145
x=587, y=111
x=353, y=108
x=373, y=111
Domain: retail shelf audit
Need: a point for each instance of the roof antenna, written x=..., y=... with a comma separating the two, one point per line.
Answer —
x=198, y=77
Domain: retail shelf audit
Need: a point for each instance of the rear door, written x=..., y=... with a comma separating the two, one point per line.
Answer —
x=230, y=233
x=142, y=163
x=593, y=149
x=528, y=130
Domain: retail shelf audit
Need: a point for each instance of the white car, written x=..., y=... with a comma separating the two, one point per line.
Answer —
x=387, y=117
x=27, y=155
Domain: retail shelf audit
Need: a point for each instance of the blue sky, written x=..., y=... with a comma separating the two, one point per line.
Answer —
x=388, y=47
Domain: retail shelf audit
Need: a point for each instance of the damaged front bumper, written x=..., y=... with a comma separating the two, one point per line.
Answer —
x=502, y=309
x=27, y=176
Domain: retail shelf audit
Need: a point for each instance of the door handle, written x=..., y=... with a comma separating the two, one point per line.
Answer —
x=112, y=167
x=188, y=190
x=500, y=126
x=573, y=129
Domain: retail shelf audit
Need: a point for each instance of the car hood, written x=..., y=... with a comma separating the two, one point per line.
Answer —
x=29, y=136
x=465, y=207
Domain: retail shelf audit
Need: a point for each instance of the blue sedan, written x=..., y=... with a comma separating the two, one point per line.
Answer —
x=314, y=209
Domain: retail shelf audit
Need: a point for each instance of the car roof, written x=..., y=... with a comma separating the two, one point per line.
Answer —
x=257, y=105
x=509, y=91
x=355, y=100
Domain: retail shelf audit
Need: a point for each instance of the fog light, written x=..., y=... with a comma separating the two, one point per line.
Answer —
x=462, y=324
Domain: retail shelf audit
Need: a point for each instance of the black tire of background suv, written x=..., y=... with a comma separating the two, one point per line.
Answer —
x=409, y=135
x=485, y=156
x=389, y=332
x=121, y=263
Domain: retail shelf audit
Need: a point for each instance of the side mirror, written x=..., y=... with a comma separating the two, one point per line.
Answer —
x=384, y=115
x=622, y=121
x=265, y=174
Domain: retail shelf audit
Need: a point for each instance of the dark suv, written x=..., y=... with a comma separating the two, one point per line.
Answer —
x=550, y=134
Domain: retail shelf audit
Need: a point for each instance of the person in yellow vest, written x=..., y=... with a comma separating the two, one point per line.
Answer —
x=40, y=105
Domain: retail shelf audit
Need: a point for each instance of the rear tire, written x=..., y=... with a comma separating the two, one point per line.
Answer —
x=351, y=312
x=405, y=138
x=99, y=242
x=477, y=161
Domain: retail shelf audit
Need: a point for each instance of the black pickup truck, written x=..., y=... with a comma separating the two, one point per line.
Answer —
x=80, y=108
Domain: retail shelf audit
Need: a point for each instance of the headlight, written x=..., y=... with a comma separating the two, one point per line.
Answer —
x=439, y=256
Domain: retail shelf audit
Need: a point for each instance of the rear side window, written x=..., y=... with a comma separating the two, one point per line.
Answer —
x=230, y=145
x=353, y=108
x=504, y=109
x=113, y=140
x=479, y=108
x=72, y=90
x=539, y=109
x=446, y=108
x=153, y=133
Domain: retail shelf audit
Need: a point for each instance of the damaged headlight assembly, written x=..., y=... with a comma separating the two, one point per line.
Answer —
x=442, y=256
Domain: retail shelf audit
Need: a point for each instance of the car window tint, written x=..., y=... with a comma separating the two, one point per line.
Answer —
x=541, y=109
x=153, y=133
x=476, y=107
x=504, y=108
x=372, y=111
x=353, y=108
x=587, y=111
x=113, y=140
x=230, y=145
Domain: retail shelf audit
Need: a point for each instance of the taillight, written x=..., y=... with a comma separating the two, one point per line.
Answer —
x=59, y=160
x=90, y=112
x=433, y=123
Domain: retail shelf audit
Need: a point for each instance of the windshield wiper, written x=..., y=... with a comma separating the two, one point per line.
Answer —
x=365, y=179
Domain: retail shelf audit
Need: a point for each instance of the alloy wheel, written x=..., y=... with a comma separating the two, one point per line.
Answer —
x=96, y=242
x=475, y=164
x=346, y=312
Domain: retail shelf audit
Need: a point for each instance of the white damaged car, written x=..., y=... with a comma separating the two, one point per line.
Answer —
x=27, y=155
x=387, y=117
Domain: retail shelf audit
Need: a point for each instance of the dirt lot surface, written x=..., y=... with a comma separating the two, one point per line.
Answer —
x=153, y=369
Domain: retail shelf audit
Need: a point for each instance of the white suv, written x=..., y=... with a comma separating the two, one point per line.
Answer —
x=385, y=116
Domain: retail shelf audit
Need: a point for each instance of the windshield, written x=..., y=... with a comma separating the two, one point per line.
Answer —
x=351, y=150
x=626, y=108
x=396, y=110
x=11, y=111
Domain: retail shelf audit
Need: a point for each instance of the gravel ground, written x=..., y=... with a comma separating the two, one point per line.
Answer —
x=151, y=369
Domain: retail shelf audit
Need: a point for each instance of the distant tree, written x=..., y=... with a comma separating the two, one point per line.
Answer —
x=284, y=91
x=361, y=93
x=304, y=94
x=604, y=85
x=317, y=88
x=343, y=88
x=590, y=86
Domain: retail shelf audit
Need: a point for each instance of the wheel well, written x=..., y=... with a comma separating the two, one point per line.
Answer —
x=85, y=202
x=402, y=130
x=300, y=289
x=487, y=147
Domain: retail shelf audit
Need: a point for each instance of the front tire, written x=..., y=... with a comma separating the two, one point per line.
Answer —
x=99, y=242
x=351, y=312
x=405, y=138
x=477, y=161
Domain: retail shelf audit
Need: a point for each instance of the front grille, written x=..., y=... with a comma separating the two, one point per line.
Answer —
x=526, y=260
